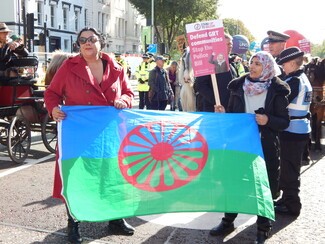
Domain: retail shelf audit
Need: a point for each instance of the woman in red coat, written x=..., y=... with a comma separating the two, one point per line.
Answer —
x=90, y=78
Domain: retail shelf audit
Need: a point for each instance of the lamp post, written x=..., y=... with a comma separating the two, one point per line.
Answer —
x=152, y=22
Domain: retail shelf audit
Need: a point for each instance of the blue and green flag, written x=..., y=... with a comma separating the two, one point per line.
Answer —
x=123, y=163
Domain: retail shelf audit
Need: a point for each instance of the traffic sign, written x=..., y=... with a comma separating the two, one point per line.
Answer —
x=152, y=48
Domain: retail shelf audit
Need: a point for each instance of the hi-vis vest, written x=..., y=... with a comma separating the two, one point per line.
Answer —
x=142, y=72
x=299, y=108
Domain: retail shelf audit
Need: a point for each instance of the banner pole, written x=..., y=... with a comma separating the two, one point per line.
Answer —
x=215, y=89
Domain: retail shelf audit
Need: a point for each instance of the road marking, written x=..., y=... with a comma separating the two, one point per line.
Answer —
x=29, y=162
x=197, y=220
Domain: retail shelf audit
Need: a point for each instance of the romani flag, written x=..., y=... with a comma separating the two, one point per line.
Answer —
x=123, y=163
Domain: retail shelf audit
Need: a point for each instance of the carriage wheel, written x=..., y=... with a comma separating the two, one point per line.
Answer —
x=49, y=133
x=19, y=139
x=162, y=156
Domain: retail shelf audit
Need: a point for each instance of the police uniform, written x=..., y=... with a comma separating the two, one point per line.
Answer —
x=274, y=36
x=294, y=139
x=142, y=75
x=121, y=61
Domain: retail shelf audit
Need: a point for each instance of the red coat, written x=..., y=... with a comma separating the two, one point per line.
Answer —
x=74, y=84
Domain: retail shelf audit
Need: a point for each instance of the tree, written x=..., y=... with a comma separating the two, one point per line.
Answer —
x=318, y=50
x=170, y=16
x=237, y=27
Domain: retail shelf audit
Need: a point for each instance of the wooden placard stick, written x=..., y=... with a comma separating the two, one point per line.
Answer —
x=215, y=89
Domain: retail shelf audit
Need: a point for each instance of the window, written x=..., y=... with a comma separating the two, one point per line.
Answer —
x=99, y=19
x=86, y=16
x=40, y=13
x=76, y=19
x=52, y=15
x=65, y=18
x=103, y=22
x=136, y=30
x=125, y=28
x=66, y=45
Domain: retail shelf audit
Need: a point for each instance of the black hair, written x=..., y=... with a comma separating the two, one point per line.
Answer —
x=96, y=32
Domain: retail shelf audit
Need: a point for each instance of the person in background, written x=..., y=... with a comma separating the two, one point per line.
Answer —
x=151, y=61
x=121, y=61
x=173, y=76
x=168, y=60
x=142, y=75
x=294, y=139
x=260, y=92
x=277, y=43
x=160, y=90
x=204, y=89
x=90, y=78
x=9, y=49
x=17, y=39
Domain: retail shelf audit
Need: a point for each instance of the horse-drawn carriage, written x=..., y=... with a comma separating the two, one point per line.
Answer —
x=22, y=111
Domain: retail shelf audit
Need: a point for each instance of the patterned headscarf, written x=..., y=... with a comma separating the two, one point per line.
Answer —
x=270, y=68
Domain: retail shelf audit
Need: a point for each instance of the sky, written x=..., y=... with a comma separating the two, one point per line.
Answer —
x=305, y=16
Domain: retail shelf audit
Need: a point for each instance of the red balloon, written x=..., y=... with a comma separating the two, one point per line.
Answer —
x=298, y=40
x=294, y=39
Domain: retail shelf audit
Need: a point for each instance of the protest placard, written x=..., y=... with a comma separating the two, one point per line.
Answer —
x=208, y=50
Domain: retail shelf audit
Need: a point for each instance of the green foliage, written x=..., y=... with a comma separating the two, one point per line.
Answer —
x=237, y=27
x=318, y=50
x=171, y=16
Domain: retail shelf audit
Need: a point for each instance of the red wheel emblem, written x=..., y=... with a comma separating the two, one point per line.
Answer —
x=162, y=156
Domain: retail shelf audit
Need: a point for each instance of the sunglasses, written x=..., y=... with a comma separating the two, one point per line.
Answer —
x=92, y=39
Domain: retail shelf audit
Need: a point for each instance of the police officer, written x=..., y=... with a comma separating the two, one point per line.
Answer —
x=142, y=75
x=294, y=139
x=121, y=61
x=151, y=61
x=277, y=43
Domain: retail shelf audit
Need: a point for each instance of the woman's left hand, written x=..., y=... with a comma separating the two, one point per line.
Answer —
x=119, y=104
x=261, y=119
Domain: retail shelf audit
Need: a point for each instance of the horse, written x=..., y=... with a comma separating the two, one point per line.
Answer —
x=315, y=71
x=186, y=77
x=30, y=112
x=58, y=57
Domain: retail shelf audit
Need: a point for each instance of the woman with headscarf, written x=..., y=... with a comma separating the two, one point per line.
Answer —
x=260, y=92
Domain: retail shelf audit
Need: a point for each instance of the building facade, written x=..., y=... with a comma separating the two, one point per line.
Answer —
x=57, y=22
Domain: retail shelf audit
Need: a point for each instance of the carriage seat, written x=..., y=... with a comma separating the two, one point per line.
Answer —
x=24, y=67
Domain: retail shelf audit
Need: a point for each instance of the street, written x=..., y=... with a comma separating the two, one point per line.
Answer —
x=28, y=213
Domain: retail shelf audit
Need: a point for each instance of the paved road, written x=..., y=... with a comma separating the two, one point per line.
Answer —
x=28, y=214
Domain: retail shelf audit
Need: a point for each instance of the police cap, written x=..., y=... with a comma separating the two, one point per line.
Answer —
x=274, y=36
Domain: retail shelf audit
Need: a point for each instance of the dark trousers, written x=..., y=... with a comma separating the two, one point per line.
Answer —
x=158, y=105
x=143, y=100
x=263, y=224
x=291, y=157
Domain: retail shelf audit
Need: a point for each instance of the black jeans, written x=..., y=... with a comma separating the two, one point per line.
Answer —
x=263, y=224
x=143, y=100
x=158, y=105
x=291, y=157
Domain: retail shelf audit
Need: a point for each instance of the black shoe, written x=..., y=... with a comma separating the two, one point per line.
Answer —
x=262, y=236
x=73, y=232
x=223, y=229
x=279, y=202
x=283, y=209
x=305, y=162
x=120, y=227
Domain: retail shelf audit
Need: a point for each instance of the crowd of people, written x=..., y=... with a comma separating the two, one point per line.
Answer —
x=274, y=87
